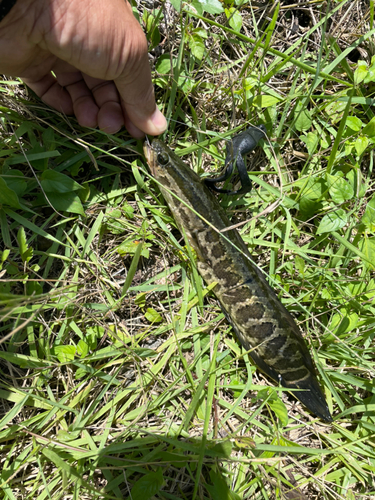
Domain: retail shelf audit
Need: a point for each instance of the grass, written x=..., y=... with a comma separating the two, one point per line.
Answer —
x=120, y=377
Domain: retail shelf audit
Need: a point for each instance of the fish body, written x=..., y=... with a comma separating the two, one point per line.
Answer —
x=261, y=323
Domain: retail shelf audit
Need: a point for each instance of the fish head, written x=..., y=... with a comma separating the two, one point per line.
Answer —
x=168, y=168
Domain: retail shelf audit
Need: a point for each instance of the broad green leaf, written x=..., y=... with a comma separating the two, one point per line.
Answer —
x=370, y=77
x=312, y=188
x=223, y=449
x=273, y=400
x=68, y=202
x=367, y=247
x=309, y=207
x=153, y=316
x=360, y=73
x=129, y=248
x=235, y=18
x=210, y=6
x=15, y=181
x=8, y=196
x=354, y=123
x=236, y=394
x=325, y=140
x=185, y=81
x=194, y=6
x=33, y=287
x=332, y=222
x=299, y=263
x=335, y=110
x=64, y=353
x=369, y=129
x=82, y=348
x=93, y=334
x=56, y=182
x=339, y=189
x=311, y=140
x=326, y=294
x=368, y=218
x=249, y=83
x=266, y=101
x=348, y=148
x=201, y=32
x=148, y=485
x=302, y=117
x=154, y=38
x=113, y=222
x=140, y=299
x=279, y=408
x=128, y=210
x=355, y=179
x=176, y=4
x=196, y=45
x=361, y=144
x=4, y=255
x=163, y=66
x=136, y=14
x=343, y=322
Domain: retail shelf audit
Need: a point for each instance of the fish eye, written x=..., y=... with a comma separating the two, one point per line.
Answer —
x=163, y=158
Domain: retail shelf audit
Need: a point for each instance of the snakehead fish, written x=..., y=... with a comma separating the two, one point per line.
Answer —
x=261, y=323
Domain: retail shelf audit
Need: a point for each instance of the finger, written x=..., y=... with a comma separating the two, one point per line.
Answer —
x=84, y=106
x=51, y=92
x=138, y=102
x=110, y=115
x=137, y=111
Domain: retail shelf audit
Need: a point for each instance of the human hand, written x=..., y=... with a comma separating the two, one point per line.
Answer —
x=98, y=54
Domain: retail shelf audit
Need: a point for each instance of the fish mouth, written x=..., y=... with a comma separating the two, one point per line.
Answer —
x=150, y=155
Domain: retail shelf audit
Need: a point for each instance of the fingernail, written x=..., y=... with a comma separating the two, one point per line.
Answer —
x=159, y=121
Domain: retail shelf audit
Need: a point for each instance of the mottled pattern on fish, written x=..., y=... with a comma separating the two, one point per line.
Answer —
x=258, y=318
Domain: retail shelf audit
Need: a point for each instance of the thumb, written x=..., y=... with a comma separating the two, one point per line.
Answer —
x=139, y=107
x=135, y=87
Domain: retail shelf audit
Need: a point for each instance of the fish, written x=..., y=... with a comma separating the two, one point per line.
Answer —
x=263, y=326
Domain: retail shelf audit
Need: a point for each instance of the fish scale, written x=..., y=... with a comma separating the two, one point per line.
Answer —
x=262, y=324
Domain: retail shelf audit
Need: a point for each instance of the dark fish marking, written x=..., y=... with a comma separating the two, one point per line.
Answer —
x=295, y=375
x=277, y=343
x=265, y=330
x=217, y=250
